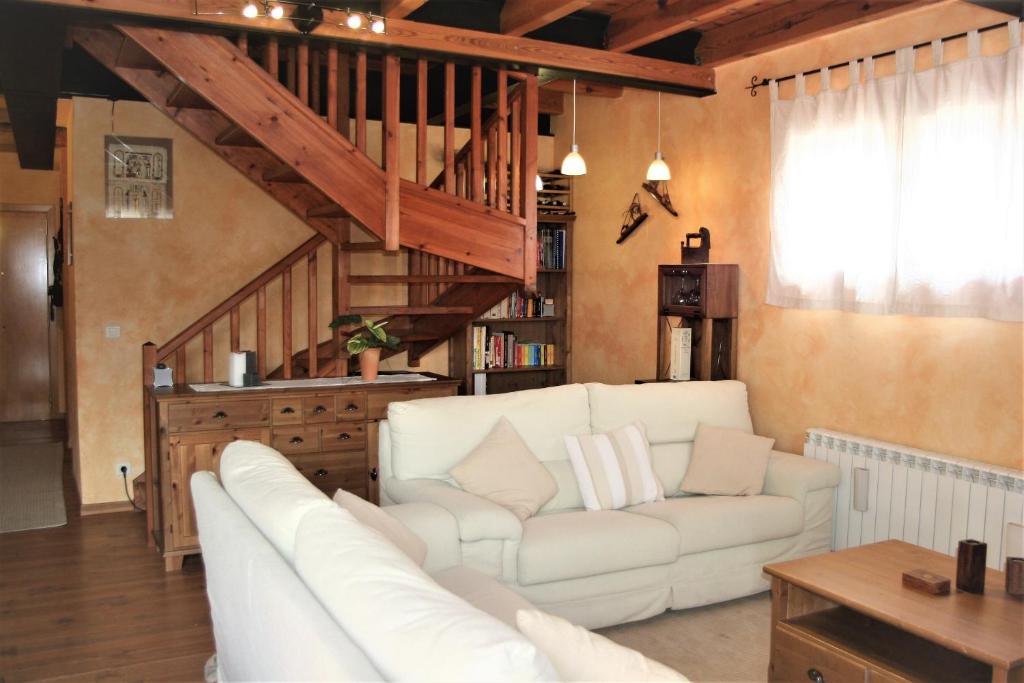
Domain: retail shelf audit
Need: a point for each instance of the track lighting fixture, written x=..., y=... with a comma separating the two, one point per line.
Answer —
x=658, y=170
x=354, y=20
x=377, y=26
x=310, y=14
x=364, y=21
x=276, y=12
x=573, y=163
x=250, y=11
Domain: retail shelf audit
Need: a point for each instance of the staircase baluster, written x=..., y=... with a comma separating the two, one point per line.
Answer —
x=271, y=58
x=208, y=353
x=312, y=333
x=243, y=42
x=476, y=141
x=261, y=331
x=421, y=121
x=289, y=75
x=235, y=326
x=449, y=127
x=314, y=75
x=526, y=178
x=361, y=101
x=302, y=70
x=286, y=323
x=492, y=165
x=333, y=76
x=502, y=156
x=390, y=132
x=517, y=150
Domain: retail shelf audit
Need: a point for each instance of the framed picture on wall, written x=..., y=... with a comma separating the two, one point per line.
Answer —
x=138, y=177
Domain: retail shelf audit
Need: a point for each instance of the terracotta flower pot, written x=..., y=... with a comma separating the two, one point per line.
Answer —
x=369, y=364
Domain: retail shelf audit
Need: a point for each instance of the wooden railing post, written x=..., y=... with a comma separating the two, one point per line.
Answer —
x=449, y=127
x=148, y=363
x=502, y=160
x=287, y=362
x=361, y=101
x=391, y=131
x=312, y=334
x=271, y=58
x=476, y=151
x=527, y=179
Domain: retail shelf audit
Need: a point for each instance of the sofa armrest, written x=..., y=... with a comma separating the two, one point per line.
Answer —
x=478, y=519
x=438, y=529
x=794, y=476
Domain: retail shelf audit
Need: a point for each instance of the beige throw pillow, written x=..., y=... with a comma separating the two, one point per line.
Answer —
x=613, y=470
x=727, y=462
x=503, y=470
x=579, y=655
x=387, y=526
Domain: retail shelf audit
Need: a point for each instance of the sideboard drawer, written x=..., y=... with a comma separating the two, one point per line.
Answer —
x=345, y=436
x=290, y=440
x=183, y=417
x=287, y=411
x=799, y=657
x=377, y=407
x=317, y=409
x=351, y=406
x=333, y=471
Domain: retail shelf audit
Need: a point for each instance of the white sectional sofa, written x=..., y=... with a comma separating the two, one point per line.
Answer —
x=598, y=568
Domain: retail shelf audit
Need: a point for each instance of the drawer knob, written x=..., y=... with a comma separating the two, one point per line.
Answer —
x=319, y=410
x=287, y=410
x=373, y=474
x=320, y=473
x=344, y=436
x=351, y=408
x=219, y=415
x=295, y=440
x=815, y=676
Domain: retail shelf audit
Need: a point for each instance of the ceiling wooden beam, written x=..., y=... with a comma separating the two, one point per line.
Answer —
x=585, y=88
x=795, y=22
x=399, y=9
x=642, y=72
x=519, y=17
x=647, y=22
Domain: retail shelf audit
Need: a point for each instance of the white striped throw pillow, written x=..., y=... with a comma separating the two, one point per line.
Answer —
x=614, y=469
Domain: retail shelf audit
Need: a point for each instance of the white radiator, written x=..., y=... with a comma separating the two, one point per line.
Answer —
x=924, y=498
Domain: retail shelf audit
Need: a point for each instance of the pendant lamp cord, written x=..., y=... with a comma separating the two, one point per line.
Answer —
x=574, y=111
x=659, y=121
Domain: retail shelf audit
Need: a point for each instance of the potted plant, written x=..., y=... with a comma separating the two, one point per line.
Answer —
x=368, y=341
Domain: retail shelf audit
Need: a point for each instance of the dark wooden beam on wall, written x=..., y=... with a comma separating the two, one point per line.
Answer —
x=519, y=17
x=399, y=9
x=31, y=50
x=420, y=37
x=647, y=22
x=795, y=22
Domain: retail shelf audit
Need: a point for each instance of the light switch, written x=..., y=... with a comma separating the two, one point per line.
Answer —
x=113, y=331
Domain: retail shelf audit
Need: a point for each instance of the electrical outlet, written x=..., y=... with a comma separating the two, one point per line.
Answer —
x=126, y=465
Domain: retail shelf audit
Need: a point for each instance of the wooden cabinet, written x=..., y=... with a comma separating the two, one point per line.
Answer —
x=330, y=437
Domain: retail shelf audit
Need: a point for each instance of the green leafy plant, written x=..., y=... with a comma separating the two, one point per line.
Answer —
x=371, y=336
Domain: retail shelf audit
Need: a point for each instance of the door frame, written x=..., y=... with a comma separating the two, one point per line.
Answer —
x=51, y=213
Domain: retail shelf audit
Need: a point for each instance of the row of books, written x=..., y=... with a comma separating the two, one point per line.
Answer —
x=551, y=248
x=504, y=350
x=519, y=305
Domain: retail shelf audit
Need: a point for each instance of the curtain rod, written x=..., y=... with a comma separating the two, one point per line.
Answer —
x=756, y=82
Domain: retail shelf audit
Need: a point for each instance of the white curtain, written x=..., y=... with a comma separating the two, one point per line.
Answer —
x=903, y=194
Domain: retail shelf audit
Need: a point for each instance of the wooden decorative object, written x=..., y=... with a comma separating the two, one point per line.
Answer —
x=701, y=253
x=632, y=219
x=925, y=581
x=970, y=566
x=1015, y=576
x=659, y=190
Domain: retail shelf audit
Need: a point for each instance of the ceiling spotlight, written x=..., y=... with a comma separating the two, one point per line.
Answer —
x=378, y=25
x=354, y=21
x=276, y=12
x=250, y=11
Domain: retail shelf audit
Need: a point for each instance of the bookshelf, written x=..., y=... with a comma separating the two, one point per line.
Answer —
x=554, y=282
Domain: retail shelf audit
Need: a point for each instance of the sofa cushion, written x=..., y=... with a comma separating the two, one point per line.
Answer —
x=270, y=491
x=386, y=525
x=579, y=655
x=613, y=469
x=483, y=592
x=712, y=522
x=569, y=545
x=727, y=462
x=503, y=470
x=409, y=626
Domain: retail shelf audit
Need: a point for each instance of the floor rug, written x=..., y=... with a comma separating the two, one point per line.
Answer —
x=724, y=642
x=31, y=487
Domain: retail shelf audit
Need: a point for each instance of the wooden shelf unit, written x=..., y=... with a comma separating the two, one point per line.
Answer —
x=552, y=283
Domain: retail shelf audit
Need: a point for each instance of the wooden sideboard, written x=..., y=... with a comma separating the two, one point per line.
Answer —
x=328, y=433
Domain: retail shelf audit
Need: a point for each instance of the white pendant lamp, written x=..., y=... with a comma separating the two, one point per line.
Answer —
x=658, y=170
x=538, y=183
x=573, y=163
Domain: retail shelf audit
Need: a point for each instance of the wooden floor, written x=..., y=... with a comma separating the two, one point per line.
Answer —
x=91, y=602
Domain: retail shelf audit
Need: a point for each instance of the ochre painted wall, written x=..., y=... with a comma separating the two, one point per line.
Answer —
x=948, y=385
x=154, y=277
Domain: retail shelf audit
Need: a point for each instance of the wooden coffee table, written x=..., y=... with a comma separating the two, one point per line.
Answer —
x=846, y=616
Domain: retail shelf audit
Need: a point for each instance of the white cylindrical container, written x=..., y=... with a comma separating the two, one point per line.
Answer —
x=236, y=370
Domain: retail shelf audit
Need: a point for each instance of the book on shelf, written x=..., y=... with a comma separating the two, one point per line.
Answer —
x=551, y=248
x=519, y=305
x=504, y=350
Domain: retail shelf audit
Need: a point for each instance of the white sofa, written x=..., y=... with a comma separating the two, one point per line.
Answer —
x=608, y=567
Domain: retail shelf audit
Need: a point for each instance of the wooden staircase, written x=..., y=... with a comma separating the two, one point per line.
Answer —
x=467, y=240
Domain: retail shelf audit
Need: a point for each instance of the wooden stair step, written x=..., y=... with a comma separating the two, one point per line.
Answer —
x=413, y=310
x=429, y=279
x=234, y=136
x=373, y=245
x=132, y=56
x=327, y=211
x=283, y=174
x=184, y=97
